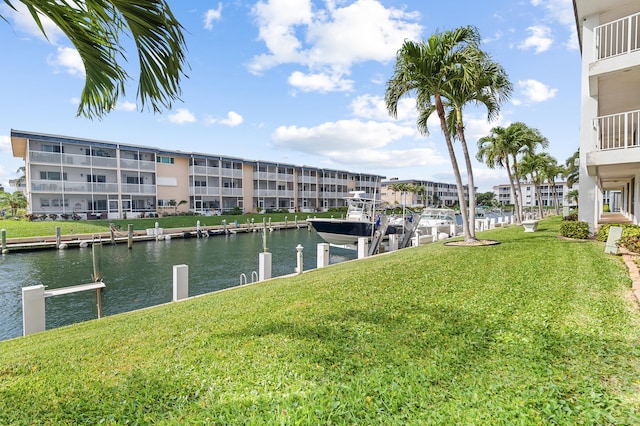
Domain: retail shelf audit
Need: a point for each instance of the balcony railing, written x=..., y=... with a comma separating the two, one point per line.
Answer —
x=618, y=131
x=204, y=190
x=618, y=37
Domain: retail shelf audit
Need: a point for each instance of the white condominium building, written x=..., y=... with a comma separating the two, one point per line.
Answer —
x=609, y=34
x=97, y=179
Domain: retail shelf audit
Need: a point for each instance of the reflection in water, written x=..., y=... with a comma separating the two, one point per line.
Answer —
x=143, y=276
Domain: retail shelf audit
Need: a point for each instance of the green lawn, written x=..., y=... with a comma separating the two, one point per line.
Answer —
x=24, y=228
x=536, y=330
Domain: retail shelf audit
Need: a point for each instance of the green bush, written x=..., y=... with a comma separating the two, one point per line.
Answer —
x=605, y=208
x=628, y=230
x=574, y=229
x=572, y=217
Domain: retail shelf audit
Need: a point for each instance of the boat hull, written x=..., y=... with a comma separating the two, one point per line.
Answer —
x=344, y=232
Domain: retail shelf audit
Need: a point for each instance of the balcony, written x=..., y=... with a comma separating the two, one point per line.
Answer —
x=618, y=131
x=137, y=164
x=134, y=188
x=204, y=190
x=617, y=38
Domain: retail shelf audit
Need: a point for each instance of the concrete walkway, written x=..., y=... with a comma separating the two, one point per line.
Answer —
x=614, y=217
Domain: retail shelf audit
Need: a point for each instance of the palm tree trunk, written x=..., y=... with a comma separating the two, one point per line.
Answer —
x=516, y=176
x=456, y=169
x=472, y=189
x=514, y=193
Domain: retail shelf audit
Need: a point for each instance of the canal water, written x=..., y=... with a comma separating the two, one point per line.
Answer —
x=143, y=276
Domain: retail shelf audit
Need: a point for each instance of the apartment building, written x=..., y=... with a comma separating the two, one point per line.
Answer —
x=97, y=179
x=503, y=194
x=609, y=34
x=434, y=194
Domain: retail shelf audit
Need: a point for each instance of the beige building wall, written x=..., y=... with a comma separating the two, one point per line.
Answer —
x=247, y=188
x=172, y=181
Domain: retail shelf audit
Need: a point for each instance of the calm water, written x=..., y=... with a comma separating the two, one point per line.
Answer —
x=143, y=276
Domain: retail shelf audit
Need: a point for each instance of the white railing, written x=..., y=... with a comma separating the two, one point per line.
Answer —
x=236, y=192
x=235, y=173
x=618, y=37
x=618, y=131
x=264, y=176
x=134, y=188
x=204, y=190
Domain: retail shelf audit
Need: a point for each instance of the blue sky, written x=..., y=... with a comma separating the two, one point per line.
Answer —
x=303, y=81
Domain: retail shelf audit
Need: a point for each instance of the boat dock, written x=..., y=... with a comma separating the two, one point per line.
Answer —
x=151, y=234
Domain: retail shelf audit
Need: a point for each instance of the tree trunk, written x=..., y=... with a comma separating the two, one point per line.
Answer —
x=472, y=189
x=456, y=169
x=516, y=176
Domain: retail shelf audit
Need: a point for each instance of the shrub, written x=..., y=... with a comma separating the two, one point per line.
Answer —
x=627, y=230
x=571, y=217
x=605, y=208
x=574, y=229
x=53, y=216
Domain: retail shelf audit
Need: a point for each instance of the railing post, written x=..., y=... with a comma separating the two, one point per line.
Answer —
x=33, y=314
x=265, y=263
x=180, y=282
x=322, y=255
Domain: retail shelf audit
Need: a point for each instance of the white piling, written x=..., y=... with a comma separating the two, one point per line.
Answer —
x=363, y=247
x=33, y=315
x=452, y=230
x=300, y=263
x=180, y=282
x=323, y=255
x=434, y=233
x=264, y=267
x=393, y=242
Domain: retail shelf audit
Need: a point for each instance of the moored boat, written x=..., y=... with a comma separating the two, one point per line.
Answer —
x=361, y=220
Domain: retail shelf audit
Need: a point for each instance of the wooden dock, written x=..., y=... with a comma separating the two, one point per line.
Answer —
x=120, y=237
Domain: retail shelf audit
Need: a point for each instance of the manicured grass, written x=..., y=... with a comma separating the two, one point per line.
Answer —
x=536, y=330
x=24, y=228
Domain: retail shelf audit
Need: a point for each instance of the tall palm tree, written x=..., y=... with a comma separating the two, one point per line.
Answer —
x=398, y=187
x=15, y=200
x=487, y=85
x=427, y=71
x=493, y=150
x=95, y=27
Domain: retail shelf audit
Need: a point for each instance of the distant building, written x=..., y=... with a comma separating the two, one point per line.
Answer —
x=435, y=194
x=98, y=179
x=609, y=35
x=503, y=194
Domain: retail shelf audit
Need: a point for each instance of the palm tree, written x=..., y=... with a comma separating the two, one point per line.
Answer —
x=551, y=171
x=573, y=196
x=15, y=200
x=572, y=170
x=95, y=27
x=429, y=71
x=488, y=85
x=493, y=150
x=534, y=165
x=398, y=187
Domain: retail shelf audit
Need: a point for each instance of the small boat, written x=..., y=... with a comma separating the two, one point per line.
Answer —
x=361, y=221
x=438, y=218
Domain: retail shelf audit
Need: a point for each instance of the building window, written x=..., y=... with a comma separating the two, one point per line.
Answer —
x=200, y=183
x=51, y=148
x=97, y=178
x=134, y=180
x=165, y=160
x=52, y=175
x=165, y=203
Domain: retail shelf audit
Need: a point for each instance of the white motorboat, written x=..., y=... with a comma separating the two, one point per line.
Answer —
x=361, y=220
x=439, y=219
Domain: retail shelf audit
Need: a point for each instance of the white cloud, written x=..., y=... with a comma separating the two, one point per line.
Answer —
x=374, y=108
x=181, y=116
x=24, y=22
x=561, y=11
x=233, y=119
x=540, y=39
x=357, y=143
x=126, y=106
x=320, y=82
x=536, y=91
x=212, y=15
x=327, y=42
x=69, y=59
